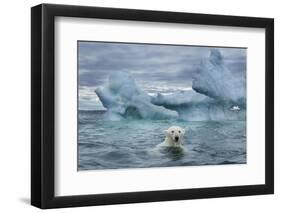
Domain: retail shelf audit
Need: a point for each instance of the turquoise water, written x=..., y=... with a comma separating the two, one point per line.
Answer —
x=106, y=144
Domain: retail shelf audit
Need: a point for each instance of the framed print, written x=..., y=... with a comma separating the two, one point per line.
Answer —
x=139, y=106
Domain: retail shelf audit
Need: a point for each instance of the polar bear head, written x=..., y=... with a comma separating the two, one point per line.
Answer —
x=175, y=134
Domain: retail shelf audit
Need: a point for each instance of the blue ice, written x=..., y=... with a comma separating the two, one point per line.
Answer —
x=215, y=92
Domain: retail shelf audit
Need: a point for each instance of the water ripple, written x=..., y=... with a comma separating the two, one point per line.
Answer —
x=129, y=144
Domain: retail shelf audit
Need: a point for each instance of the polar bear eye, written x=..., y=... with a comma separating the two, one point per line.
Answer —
x=179, y=131
x=172, y=131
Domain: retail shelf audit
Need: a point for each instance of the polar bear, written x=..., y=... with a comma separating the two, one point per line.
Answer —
x=174, y=137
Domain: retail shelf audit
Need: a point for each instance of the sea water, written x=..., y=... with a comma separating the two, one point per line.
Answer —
x=130, y=143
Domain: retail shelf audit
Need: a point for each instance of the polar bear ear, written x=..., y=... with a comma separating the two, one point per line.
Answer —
x=183, y=131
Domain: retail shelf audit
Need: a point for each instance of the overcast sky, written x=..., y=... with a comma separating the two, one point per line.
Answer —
x=154, y=67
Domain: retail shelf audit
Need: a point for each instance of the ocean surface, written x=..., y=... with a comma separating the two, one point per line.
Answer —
x=106, y=144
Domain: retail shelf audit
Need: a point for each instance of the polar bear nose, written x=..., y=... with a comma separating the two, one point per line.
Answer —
x=176, y=138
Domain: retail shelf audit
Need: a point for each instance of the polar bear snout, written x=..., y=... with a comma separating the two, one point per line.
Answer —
x=177, y=137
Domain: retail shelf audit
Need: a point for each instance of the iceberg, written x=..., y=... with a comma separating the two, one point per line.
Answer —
x=123, y=99
x=216, y=94
x=193, y=106
x=215, y=80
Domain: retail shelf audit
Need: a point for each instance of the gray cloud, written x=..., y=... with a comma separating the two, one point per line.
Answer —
x=148, y=64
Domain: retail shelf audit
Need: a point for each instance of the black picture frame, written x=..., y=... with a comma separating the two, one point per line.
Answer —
x=43, y=102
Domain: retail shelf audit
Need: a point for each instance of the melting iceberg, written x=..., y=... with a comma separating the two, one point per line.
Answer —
x=193, y=106
x=215, y=80
x=216, y=92
x=123, y=98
